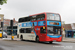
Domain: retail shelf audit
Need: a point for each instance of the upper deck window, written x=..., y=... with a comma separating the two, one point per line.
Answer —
x=24, y=19
x=32, y=18
x=21, y=20
x=40, y=17
x=53, y=17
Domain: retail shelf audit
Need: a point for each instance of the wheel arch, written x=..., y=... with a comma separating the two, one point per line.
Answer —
x=21, y=36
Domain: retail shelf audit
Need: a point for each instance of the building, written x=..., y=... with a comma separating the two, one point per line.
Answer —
x=1, y=18
x=7, y=22
x=6, y=27
x=67, y=27
x=69, y=30
x=15, y=23
x=14, y=30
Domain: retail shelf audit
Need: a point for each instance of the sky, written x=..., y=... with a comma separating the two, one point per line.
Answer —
x=20, y=8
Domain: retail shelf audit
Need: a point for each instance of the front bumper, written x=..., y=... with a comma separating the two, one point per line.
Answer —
x=58, y=39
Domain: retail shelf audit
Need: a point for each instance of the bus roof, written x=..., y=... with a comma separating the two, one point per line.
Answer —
x=39, y=13
x=23, y=17
x=43, y=13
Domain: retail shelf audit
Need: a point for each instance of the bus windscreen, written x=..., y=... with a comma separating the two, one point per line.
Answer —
x=53, y=30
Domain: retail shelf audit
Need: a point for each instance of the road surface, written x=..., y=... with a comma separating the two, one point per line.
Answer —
x=28, y=45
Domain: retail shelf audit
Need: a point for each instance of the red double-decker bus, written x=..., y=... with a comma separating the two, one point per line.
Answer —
x=44, y=27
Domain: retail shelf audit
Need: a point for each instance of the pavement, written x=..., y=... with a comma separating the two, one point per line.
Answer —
x=9, y=38
x=69, y=40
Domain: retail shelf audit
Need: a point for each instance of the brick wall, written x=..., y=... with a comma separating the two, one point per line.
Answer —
x=7, y=22
x=67, y=26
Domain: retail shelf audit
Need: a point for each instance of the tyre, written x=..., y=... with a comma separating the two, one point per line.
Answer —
x=50, y=42
x=21, y=38
x=37, y=39
x=6, y=36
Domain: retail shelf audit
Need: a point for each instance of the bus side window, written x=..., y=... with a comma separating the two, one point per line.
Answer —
x=27, y=19
x=25, y=30
x=28, y=30
x=33, y=18
x=22, y=30
x=43, y=30
x=21, y=20
x=30, y=17
x=40, y=17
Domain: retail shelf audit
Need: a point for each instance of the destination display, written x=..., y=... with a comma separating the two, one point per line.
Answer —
x=53, y=23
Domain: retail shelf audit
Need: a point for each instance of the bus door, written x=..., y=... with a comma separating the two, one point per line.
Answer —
x=42, y=32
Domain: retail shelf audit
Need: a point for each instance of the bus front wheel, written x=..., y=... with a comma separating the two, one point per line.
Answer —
x=50, y=42
x=37, y=39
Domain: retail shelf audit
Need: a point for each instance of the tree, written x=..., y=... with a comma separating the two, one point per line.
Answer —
x=2, y=2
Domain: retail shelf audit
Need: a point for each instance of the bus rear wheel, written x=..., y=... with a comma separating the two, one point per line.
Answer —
x=37, y=39
x=21, y=38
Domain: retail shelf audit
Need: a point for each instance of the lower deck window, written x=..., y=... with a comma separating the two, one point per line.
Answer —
x=43, y=30
x=25, y=30
x=28, y=30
